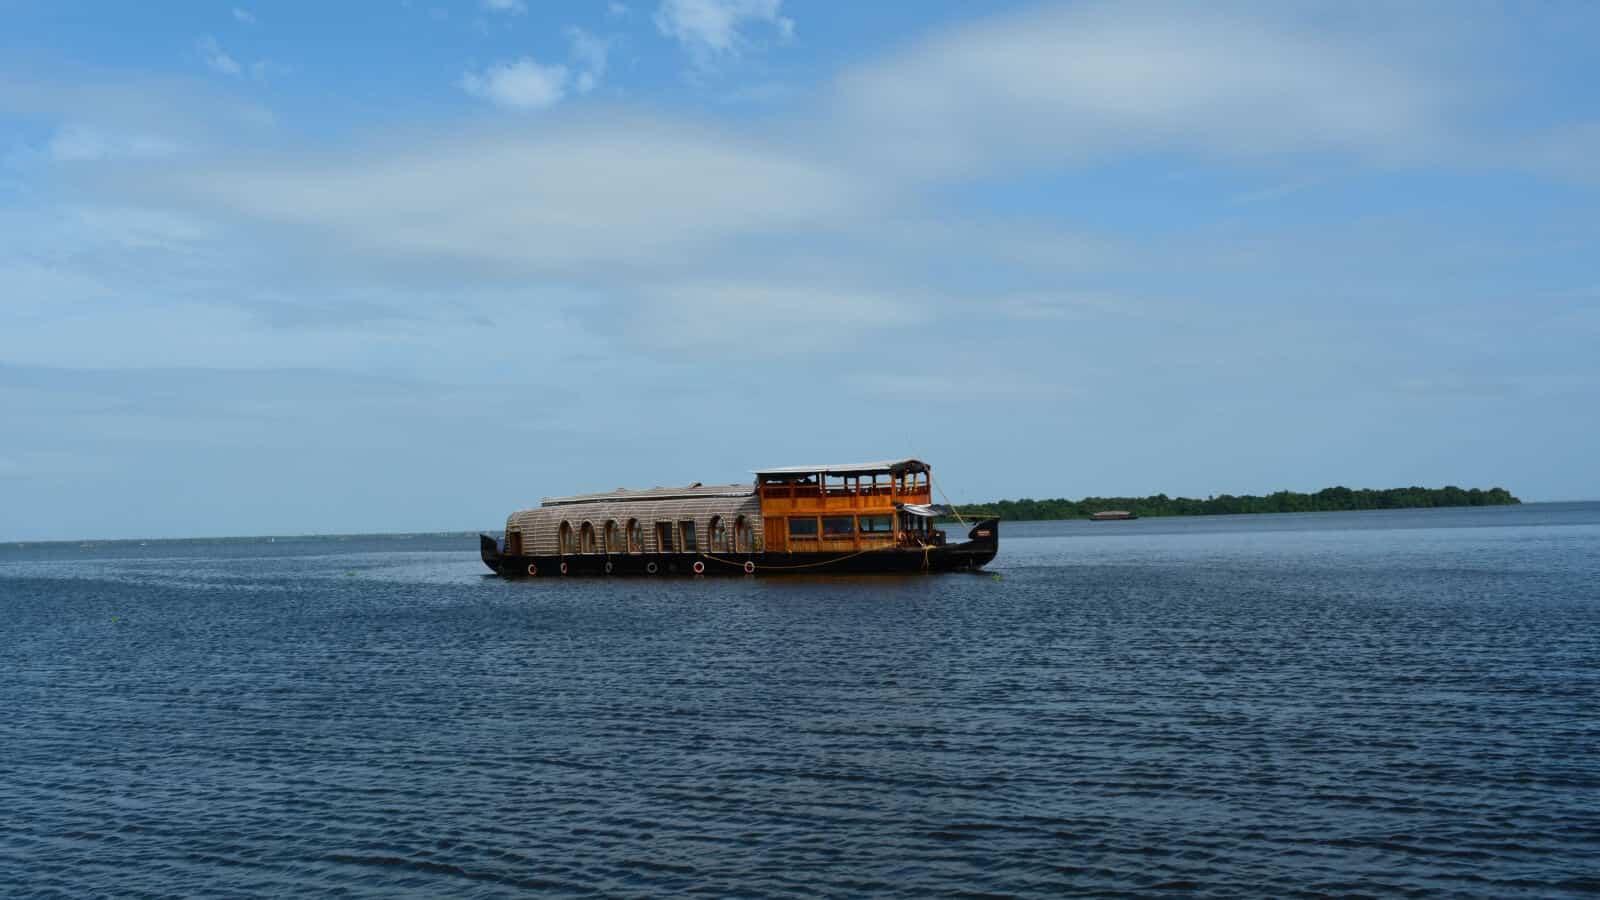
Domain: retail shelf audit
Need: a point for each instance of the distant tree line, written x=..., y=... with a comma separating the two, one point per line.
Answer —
x=1325, y=500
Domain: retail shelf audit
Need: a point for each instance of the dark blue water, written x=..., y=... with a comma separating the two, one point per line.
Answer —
x=1379, y=704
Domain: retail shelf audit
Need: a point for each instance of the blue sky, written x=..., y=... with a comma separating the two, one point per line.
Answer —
x=385, y=266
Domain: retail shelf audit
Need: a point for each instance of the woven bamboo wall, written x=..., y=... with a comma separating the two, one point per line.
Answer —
x=541, y=527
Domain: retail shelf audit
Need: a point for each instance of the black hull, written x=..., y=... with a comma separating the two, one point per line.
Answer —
x=967, y=556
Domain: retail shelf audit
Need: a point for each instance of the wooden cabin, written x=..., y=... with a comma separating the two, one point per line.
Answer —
x=842, y=508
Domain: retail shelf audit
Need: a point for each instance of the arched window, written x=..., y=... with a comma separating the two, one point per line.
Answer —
x=614, y=537
x=719, y=535
x=586, y=538
x=635, y=536
x=741, y=535
x=568, y=542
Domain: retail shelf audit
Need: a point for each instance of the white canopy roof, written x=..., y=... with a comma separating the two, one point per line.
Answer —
x=867, y=468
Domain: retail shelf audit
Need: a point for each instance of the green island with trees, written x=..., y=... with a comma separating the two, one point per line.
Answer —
x=1326, y=500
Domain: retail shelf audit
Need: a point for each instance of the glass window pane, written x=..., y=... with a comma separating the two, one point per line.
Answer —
x=876, y=524
x=686, y=528
x=663, y=537
x=838, y=527
x=803, y=528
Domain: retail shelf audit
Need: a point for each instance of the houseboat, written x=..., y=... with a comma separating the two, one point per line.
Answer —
x=1113, y=515
x=832, y=519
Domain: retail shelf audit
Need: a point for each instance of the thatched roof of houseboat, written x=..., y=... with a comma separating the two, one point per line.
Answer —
x=623, y=495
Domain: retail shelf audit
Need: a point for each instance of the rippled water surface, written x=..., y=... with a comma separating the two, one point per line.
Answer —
x=1380, y=704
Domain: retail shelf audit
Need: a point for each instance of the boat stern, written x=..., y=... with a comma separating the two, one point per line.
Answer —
x=981, y=545
x=489, y=550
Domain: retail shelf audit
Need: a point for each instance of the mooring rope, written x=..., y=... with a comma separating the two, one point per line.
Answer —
x=947, y=500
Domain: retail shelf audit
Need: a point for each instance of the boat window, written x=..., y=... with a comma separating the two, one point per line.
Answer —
x=586, y=538
x=913, y=525
x=514, y=543
x=613, y=537
x=719, y=535
x=838, y=527
x=686, y=530
x=565, y=538
x=875, y=524
x=664, y=537
x=635, y=536
x=741, y=535
x=803, y=529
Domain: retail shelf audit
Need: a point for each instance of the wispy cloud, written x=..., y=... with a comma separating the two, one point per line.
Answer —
x=77, y=143
x=523, y=84
x=244, y=16
x=759, y=317
x=129, y=117
x=589, y=56
x=622, y=191
x=713, y=29
x=514, y=7
x=1571, y=151
x=218, y=59
x=1064, y=307
x=1076, y=83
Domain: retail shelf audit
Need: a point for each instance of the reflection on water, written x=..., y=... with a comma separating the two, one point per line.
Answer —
x=1283, y=705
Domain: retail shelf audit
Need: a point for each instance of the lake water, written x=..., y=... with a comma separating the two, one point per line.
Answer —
x=1298, y=705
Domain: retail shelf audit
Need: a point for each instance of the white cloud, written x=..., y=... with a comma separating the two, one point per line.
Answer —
x=623, y=191
x=1080, y=82
x=1572, y=151
x=187, y=111
x=134, y=228
x=244, y=16
x=217, y=59
x=616, y=10
x=523, y=84
x=515, y=7
x=1064, y=307
x=763, y=316
x=589, y=53
x=132, y=118
x=78, y=143
x=709, y=29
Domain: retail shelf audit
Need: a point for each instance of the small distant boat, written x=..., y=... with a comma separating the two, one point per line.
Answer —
x=803, y=520
x=1113, y=515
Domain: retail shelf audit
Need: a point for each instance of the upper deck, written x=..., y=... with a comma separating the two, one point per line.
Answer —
x=841, y=507
x=859, y=486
